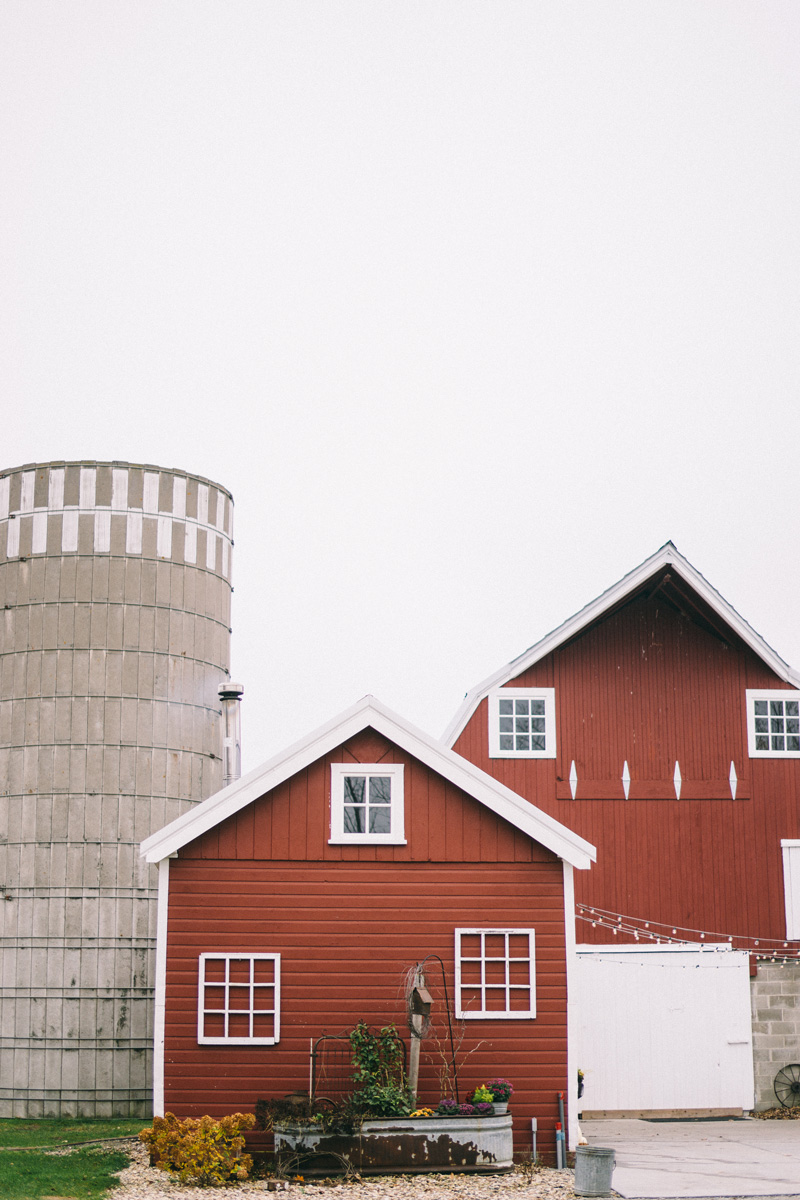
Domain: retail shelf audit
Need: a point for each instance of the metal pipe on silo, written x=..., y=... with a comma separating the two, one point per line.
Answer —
x=114, y=638
x=231, y=695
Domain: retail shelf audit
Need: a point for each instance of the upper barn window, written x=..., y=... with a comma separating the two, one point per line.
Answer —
x=522, y=723
x=367, y=803
x=773, y=724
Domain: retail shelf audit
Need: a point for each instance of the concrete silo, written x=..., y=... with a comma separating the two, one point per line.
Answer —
x=115, y=617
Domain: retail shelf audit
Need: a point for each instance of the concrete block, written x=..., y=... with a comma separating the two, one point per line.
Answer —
x=113, y=668
x=84, y=590
x=49, y=634
x=114, y=633
x=66, y=589
x=130, y=631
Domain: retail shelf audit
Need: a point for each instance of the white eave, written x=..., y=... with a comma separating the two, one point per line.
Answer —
x=369, y=712
x=667, y=556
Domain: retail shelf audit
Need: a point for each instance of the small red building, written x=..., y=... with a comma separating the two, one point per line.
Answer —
x=661, y=727
x=293, y=902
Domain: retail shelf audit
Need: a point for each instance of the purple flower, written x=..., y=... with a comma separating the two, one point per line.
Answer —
x=466, y=1110
x=483, y=1108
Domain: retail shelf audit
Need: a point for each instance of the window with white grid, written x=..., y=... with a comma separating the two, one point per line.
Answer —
x=773, y=724
x=522, y=723
x=495, y=973
x=367, y=803
x=239, y=999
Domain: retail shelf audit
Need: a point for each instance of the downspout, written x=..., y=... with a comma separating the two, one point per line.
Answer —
x=572, y=1130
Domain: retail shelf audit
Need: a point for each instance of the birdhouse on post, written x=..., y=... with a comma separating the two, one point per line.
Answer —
x=420, y=1003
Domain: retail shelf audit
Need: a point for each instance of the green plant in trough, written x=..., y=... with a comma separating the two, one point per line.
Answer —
x=379, y=1072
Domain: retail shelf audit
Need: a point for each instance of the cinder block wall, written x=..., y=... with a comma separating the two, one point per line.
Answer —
x=775, y=999
x=114, y=636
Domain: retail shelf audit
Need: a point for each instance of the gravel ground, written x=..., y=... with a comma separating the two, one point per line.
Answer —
x=140, y=1181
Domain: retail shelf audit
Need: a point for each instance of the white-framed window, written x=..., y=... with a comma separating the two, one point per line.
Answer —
x=522, y=723
x=495, y=974
x=367, y=803
x=238, y=999
x=791, y=886
x=773, y=723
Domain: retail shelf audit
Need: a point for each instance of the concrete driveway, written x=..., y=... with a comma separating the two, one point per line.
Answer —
x=701, y=1158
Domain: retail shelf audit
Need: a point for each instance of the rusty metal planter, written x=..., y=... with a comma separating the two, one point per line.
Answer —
x=398, y=1145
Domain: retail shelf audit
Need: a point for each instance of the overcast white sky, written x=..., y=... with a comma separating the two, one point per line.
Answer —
x=472, y=305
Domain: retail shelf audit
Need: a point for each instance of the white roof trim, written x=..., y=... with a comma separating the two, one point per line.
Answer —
x=370, y=712
x=667, y=556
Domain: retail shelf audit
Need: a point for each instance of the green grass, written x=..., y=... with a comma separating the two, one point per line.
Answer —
x=81, y=1175
x=16, y=1131
x=86, y=1174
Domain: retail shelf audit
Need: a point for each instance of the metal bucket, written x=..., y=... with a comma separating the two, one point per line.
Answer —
x=594, y=1166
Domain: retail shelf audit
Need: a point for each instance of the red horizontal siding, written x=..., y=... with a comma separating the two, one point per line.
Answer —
x=347, y=933
x=650, y=686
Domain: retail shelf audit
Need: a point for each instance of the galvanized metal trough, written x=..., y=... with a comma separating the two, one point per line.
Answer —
x=402, y=1145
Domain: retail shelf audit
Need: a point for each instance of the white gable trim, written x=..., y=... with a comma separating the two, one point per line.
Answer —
x=369, y=712
x=668, y=555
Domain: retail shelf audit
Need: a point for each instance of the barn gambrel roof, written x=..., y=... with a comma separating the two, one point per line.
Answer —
x=370, y=713
x=666, y=568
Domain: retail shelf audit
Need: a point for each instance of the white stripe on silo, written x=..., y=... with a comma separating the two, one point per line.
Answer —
x=102, y=531
x=164, y=542
x=88, y=487
x=119, y=489
x=190, y=545
x=225, y=558
x=150, y=500
x=4, y=491
x=179, y=497
x=133, y=536
x=202, y=503
x=26, y=497
x=69, y=531
x=211, y=550
x=55, y=488
x=12, y=549
x=39, y=538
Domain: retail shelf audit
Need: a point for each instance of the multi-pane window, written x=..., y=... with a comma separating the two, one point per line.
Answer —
x=495, y=973
x=773, y=724
x=239, y=999
x=522, y=723
x=367, y=803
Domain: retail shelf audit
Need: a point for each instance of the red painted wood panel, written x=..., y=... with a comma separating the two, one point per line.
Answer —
x=650, y=685
x=292, y=822
x=347, y=933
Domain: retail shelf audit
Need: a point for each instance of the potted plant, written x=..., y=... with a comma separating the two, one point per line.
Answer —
x=501, y=1091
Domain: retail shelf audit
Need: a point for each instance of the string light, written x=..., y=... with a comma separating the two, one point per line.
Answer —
x=637, y=929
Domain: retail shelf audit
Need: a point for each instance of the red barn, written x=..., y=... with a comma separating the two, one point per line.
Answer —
x=293, y=902
x=661, y=727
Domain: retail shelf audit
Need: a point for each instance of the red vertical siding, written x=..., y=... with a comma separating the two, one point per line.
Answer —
x=348, y=921
x=650, y=686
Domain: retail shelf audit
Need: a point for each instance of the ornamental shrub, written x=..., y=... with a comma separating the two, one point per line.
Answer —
x=482, y=1095
x=201, y=1150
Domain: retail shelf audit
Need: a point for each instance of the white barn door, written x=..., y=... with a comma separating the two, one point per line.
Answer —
x=663, y=1028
